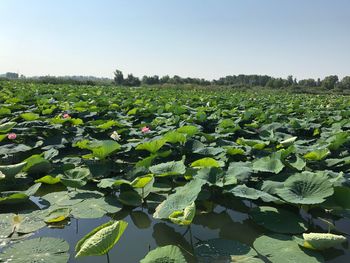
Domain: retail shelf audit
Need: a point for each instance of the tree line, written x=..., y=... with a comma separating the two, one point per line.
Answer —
x=329, y=82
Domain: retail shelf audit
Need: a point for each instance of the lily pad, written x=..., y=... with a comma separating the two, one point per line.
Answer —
x=164, y=254
x=42, y=249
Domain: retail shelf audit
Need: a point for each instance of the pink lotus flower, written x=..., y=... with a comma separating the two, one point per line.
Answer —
x=66, y=116
x=145, y=129
x=12, y=136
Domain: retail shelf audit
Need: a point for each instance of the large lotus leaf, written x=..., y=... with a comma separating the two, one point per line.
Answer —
x=140, y=219
x=251, y=193
x=206, y=162
x=30, y=221
x=13, y=198
x=185, y=216
x=256, y=144
x=230, y=150
x=278, y=220
x=190, y=130
x=42, y=249
x=76, y=177
x=142, y=181
x=65, y=198
x=175, y=137
x=338, y=140
x=100, y=240
x=164, y=254
x=168, y=168
x=317, y=155
x=299, y=163
x=29, y=116
x=241, y=171
x=200, y=148
x=223, y=250
x=306, y=188
x=340, y=198
x=130, y=198
x=7, y=126
x=6, y=225
x=152, y=146
x=36, y=164
x=281, y=248
x=179, y=200
x=321, y=241
x=95, y=207
x=272, y=164
x=213, y=176
x=102, y=149
x=9, y=171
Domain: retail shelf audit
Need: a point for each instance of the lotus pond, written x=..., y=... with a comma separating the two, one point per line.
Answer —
x=172, y=175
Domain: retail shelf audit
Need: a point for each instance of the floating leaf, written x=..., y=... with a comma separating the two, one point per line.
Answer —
x=222, y=250
x=278, y=220
x=152, y=146
x=206, y=162
x=164, y=254
x=29, y=116
x=76, y=177
x=10, y=171
x=281, y=248
x=42, y=249
x=168, y=169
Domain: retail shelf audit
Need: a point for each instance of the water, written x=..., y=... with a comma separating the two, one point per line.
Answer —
x=145, y=233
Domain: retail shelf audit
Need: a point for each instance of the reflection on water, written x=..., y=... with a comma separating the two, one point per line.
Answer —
x=145, y=233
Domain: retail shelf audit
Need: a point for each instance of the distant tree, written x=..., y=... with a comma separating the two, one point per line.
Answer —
x=345, y=83
x=164, y=79
x=290, y=80
x=118, y=77
x=329, y=82
x=150, y=80
x=307, y=82
x=132, y=81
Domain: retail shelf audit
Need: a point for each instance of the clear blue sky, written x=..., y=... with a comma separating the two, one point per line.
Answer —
x=197, y=38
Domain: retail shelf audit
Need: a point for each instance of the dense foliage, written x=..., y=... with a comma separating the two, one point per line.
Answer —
x=90, y=151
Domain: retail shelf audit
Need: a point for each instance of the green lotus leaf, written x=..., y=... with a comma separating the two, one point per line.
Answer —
x=7, y=126
x=102, y=149
x=164, y=254
x=100, y=240
x=168, y=169
x=10, y=171
x=48, y=179
x=256, y=144
x=42, y=249
x=32, y=221
x=175, y=137
x=234, y=150
x=140, y=219
x=272, y=164
x=223, y=250
x=281, y=248
x=76, y=177
x=13, y=198
x=152, y=146
x=183, y=197
x=142, y=181
x=306, y=188
x=206, y=162
x=36, y=164
x=29, y=116
x=317, y=155
x=278, y=220
x=185, y=216
x=251, y=193
x=130, y=198
x=57, y=215
x=189, y=130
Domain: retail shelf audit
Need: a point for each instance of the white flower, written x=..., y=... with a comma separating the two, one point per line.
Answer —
x=115, y=136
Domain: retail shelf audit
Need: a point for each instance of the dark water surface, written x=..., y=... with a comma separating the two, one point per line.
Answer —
x=145, y=233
